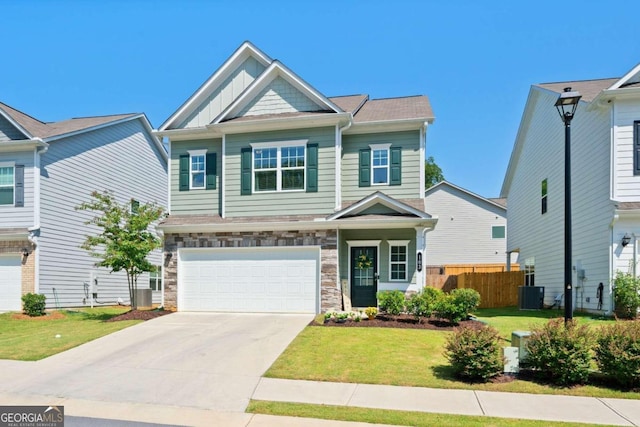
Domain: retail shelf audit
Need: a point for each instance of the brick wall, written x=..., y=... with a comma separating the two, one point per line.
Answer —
x=330, y=295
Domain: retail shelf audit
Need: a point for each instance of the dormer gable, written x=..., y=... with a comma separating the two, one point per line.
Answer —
x=379, y=203
x=221, y=88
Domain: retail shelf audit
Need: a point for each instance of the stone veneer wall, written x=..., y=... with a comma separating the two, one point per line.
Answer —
x=330, y=294
x=28, y=270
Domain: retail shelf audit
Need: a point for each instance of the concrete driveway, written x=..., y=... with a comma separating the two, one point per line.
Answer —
x=211, y=361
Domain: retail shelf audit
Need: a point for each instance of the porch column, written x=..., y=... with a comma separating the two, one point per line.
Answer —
x=420, y=258
x=508, y=261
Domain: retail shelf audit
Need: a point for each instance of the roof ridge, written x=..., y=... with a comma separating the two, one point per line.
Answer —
x=579, y=81
x=396, y=97
x=97, y=117
x=345, y=96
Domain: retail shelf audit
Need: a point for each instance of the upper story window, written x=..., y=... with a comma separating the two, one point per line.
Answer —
x=544, y=196
x=6, y=184
x=197, y=168
x=380, y=164
x=279, y=166
x=398, y=250
x=498, y=232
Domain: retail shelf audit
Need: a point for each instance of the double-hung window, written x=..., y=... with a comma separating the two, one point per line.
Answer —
x=155, y=278
x=197, y=168
x=380, y=164
x=543, y=200
x=279, y=166
x=7, y=184
x=530, y=271
x=398, y=253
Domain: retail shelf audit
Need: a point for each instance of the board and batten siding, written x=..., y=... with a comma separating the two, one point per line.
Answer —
x=121, y=158
x=224, y=94
x=409, y=141
x=8, y=131
x=284, y=202
x=279, y=97
x=541, y=236
x=464, y=231
x=20, y=217
x=626, y=185
x=198, y=201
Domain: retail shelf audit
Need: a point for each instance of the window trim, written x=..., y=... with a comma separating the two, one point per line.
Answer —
x=381, y=147
x=636, y=147
x=279, y=145
x=11, y=165
x=192, y=154
x=544, y=199
x=529, y=271
x=399, y=243
x=158, y=278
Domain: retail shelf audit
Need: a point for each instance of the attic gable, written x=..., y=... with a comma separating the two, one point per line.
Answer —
x=380, y=204
x=278, y=90
x=224, y=86
x=10, y=131
x=631, y=79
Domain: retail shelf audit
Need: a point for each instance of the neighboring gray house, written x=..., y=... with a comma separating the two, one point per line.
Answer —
x=605, y=178
x=472, y=230
x=46, y=169
x=282, y=199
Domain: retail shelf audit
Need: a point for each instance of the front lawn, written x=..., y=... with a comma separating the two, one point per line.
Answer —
x=409, y=357
x=25, y=338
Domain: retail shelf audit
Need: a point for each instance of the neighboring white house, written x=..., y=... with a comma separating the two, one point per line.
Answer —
x=46, y=170
x=605, y=177
x=471, y=230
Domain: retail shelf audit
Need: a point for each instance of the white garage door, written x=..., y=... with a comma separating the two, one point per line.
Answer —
x=10, y=283
x=251, y=280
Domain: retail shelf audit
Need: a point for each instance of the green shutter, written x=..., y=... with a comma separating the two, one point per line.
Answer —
x=396, y=166
x=19, y=185
x=312, y=168
x=365, y=168
x=211, y=170
x=184, y=172
x=245, y=179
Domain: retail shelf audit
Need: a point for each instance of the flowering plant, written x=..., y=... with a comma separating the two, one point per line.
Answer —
x=363, y=262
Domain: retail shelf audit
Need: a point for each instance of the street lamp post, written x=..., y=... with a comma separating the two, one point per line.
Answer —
x=567, y=104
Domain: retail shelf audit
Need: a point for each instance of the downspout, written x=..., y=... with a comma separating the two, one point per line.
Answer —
x=223, y=162
x=423, y=149
x=616, y=217
x=34, y=232
x=169, y=175
x=338, y=162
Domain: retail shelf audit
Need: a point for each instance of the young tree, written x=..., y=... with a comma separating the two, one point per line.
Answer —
x=432, y=172
x=125, y=239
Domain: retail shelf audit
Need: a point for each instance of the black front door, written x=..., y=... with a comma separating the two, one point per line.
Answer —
x=364, y=276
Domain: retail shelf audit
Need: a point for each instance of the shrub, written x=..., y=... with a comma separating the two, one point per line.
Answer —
x=33, y=304
x=391, y=302
x=625, y=295
x=371, y=312
x=559, y=352
x=467, y=299
x=618, y=353
x=474, y=352
x=422, y=304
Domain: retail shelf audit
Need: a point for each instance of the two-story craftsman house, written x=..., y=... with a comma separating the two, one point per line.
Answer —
x=283, y=200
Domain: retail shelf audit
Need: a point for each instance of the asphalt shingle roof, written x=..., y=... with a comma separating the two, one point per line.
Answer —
x=589, y=89
x=410, y=107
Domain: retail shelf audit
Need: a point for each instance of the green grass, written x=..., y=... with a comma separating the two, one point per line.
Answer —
x=35, y=338
x=384, y=416
x=409, y=357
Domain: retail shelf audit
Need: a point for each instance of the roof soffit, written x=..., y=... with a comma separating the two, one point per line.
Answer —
x=276, y=69
x=246, y=50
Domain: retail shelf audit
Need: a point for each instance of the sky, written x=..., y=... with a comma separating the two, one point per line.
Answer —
x=475, y=60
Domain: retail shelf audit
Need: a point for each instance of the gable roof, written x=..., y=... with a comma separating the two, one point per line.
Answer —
x=245, y=50
x=497, y=202
x=382, y=199
x=589, y=89
x=276, y=69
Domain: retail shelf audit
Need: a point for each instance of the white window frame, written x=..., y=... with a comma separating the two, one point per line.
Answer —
x=278, y=145
x=380, y=147
x=13, y=181
x=529, y=271
x=399, y=243
x=504, y=227
x=197, y=153
x=158, y=279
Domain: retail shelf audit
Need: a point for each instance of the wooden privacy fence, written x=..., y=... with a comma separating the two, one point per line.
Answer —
x=496, y=289
x=476, y=268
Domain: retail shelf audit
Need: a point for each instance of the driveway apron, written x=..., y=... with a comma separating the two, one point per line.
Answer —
x=201, y=360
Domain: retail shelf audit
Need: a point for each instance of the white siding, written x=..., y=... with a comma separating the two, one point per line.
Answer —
x=224, y=95
x=279, y=97
x=463, y=234
x=626, y=186
x=542, y=236
x=121, y=158
x=10, y=216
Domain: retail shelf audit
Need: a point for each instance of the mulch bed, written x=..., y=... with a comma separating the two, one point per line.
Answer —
x=53, y=315
x=139, y=315
x=403, y=321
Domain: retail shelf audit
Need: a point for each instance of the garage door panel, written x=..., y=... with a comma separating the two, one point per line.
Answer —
x=249, y=280
x=10, y=283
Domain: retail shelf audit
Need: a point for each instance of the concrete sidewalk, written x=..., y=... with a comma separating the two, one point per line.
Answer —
x=542, y=407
